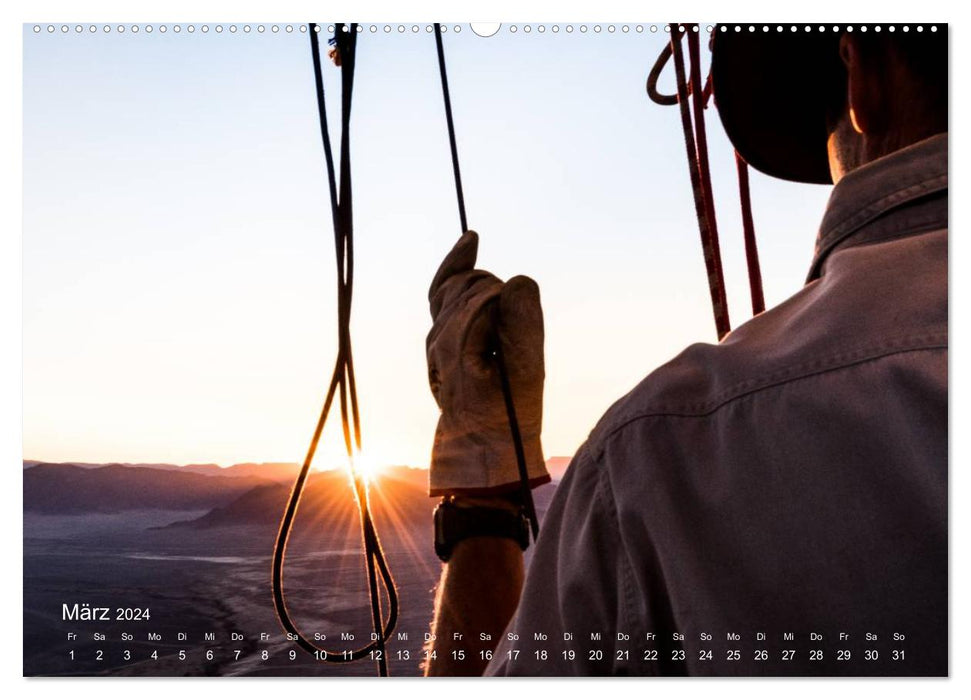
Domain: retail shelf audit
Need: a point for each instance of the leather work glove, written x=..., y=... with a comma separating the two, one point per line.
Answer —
x=472, y=310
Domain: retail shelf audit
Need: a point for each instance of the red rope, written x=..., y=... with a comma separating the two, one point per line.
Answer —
x=751, y=247
x=704, y=169
x=696, y=145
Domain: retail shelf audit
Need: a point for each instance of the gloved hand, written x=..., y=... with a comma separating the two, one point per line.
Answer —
x=472, y=310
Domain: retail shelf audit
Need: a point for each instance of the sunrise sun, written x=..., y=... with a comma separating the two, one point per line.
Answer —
x=363, y=463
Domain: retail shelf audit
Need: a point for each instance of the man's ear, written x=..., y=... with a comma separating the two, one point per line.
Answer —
x=865, y=87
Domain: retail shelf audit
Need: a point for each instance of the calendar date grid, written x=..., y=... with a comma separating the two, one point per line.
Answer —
x=594, y=648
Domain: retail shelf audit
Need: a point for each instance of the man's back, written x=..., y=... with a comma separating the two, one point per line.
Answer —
x=791, y=480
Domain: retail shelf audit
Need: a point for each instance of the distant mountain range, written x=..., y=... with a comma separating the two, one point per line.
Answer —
x=284, y=472
x=557, y=466
x=272, y=471
x=244, y=494
x=68, y=489
x=399, y=496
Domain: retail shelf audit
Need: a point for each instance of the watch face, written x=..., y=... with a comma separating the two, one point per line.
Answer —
x=454, y=524
x=442, y=518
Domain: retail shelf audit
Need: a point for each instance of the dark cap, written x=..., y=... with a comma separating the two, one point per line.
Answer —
x=777, y=94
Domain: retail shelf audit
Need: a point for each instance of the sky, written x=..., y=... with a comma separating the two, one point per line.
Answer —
x=178, y=276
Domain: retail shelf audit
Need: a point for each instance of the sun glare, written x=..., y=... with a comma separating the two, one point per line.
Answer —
x=365, y=465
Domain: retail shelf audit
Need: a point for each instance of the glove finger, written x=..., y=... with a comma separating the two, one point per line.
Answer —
x=478, y=337
x=459, y=336
x=520, y=329
x=458, y=298
x=460, y=259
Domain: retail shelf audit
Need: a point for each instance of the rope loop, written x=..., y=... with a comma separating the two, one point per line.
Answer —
x=342, y=382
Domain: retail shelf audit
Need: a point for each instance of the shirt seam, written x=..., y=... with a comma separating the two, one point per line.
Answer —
x=833, y=242
x=741, y=390
x=880, y=206
x=930, y=225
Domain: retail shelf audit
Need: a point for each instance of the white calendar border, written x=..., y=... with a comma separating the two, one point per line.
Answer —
x=444, y=10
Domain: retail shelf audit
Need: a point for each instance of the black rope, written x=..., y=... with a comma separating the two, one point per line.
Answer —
x=526, y=493
x=342, y=383
x=451, y=128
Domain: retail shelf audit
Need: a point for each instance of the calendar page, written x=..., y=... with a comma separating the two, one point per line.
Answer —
x=678, y=406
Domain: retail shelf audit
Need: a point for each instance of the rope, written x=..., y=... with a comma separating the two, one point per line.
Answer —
x=751, y=247
x=451, y=128
x=704, y=171
x=704, y=213
x=655, y=75
x=526, y=493
x=696, y=146
x=342, y=383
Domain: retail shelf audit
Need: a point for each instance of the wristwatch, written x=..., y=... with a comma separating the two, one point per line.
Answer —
x=454, y=523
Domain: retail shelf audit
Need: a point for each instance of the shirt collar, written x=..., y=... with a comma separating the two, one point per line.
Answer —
x=860, y=201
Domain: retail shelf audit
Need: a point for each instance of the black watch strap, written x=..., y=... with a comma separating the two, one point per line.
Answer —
x=455, y=523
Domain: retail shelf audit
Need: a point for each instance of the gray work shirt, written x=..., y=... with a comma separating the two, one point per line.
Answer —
x=790, y=481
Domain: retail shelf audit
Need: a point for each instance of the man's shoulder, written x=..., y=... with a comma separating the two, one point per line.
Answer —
x=861, y=310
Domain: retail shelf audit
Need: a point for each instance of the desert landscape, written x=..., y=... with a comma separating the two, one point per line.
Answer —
x=193, y=544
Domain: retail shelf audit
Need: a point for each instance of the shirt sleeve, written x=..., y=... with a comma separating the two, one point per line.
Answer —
x=576, y=598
